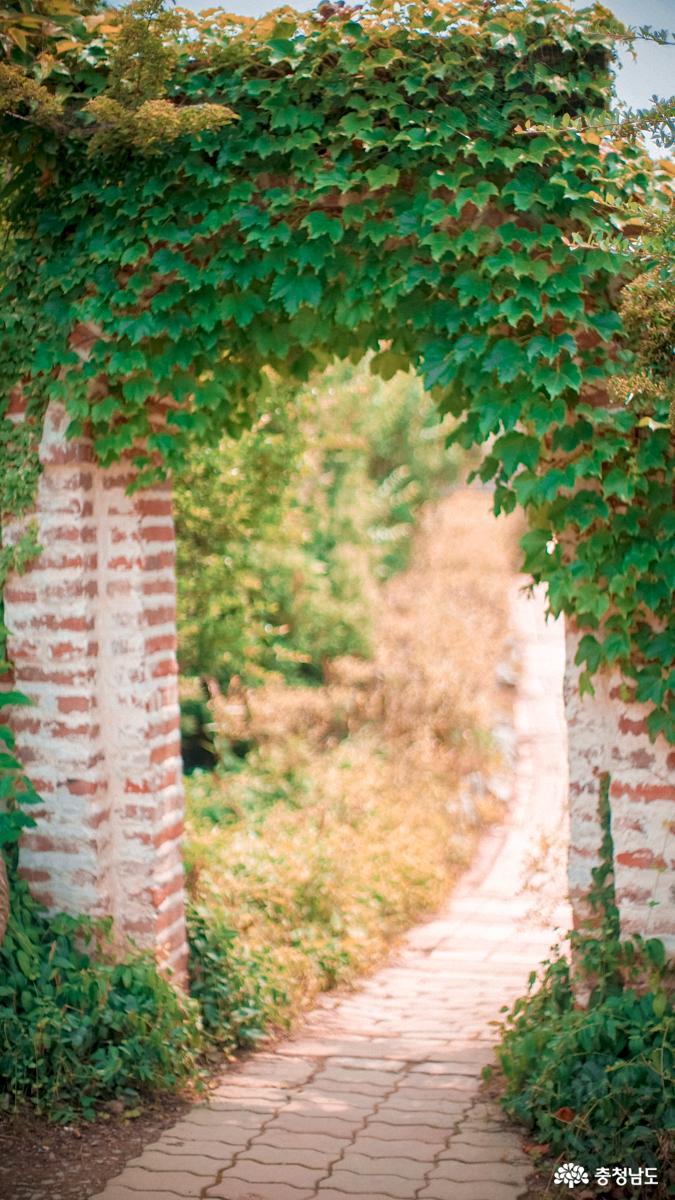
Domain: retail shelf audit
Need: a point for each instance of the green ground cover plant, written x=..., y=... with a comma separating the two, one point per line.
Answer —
x=595, y=1085
x=231, y=985
x=81, y=1024
x=588, y=1056
x=78, y=1027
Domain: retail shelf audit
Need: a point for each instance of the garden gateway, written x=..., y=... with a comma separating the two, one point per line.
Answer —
x=267, y=196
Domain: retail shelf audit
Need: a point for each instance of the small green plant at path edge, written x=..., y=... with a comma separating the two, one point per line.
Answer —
x=77, y=1027
x=588, y=1056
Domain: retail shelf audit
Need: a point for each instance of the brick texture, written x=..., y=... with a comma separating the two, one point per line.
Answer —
x=93, y=642
x=608, y=734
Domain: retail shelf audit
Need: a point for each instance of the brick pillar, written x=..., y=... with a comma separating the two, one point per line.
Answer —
x=93, y=642
x=607, y=734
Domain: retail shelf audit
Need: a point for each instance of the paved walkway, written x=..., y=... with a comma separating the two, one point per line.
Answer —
x=378, y=1095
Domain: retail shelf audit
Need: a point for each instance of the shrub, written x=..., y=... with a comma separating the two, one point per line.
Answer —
x=588, y=1055
x=76, y=1027
x=283, y=531
x=230, y=984
x=596, y=1084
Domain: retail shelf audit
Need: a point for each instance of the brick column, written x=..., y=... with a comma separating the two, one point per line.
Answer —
x=607, y=734
x=93, y=641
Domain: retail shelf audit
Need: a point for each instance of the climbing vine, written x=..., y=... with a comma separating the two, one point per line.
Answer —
x=205, y=204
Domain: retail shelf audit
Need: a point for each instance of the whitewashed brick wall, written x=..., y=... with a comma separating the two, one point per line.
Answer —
x=607, y=734
x=93, y=642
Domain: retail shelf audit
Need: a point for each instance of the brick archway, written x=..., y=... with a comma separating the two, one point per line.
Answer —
x=93, y=643
x=311, y=205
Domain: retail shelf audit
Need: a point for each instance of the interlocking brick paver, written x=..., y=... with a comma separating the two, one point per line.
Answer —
x=115, y=1191
x=450, y=1099
x=405, y=1148
x=226, y=1104
x=184, y=1184
x=434, y=1135
x=285, y=1139
x=351, y=1184
x=379, y=1097
x=324, y=1102
x=329, y=1125
x=470, y=1191
x=289, y=1156
x=353, y=1077
x=207, y=1120
x=223, y=1152
x=241, y=1189
x=453, y=1068
x=326, y=1192
x=364, y=1095
x=368, y=1167
x=365, y=1064
x=443, y=1117
x=282, y=1071
x=289, y=1174
x=490, y=1151
x=462, y=1172
x=194, y=1164
x=496, y=1139
x=249, y=1091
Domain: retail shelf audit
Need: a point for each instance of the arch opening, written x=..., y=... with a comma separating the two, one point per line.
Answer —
x=361, y=175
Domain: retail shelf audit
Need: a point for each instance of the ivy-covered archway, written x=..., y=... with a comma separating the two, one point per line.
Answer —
x=201, y=206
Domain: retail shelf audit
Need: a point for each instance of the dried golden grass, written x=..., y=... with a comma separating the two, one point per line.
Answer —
x=370, y=827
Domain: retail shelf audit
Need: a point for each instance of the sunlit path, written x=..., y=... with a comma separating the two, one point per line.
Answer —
x=379, y=1094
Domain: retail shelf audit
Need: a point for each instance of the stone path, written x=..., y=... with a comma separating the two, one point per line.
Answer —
x=378, y=1095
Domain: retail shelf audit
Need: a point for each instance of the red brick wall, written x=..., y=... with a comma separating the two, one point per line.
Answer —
x=93, y=641
x=607, y=734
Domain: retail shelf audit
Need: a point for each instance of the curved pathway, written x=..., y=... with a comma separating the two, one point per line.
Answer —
x=378, y=1095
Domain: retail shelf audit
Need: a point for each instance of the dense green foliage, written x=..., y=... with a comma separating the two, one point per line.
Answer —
x=76, y=1027
x=231, y=985
x=589, y=1054
x=595, y=1084
x=16, y=789
x=79, y=1026
x=283, y=532
x=379, y=178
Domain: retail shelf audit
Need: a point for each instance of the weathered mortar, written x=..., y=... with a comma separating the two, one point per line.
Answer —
x=608, y=734
x=93, y=643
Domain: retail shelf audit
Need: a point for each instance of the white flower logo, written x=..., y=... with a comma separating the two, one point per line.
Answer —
x=571, y=1174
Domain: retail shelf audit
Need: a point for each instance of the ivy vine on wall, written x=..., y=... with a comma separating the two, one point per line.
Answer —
x=195, y=207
